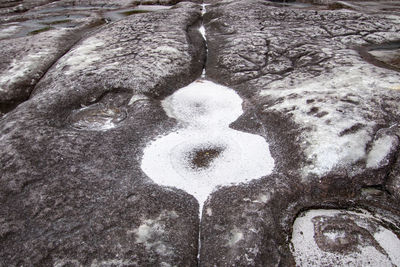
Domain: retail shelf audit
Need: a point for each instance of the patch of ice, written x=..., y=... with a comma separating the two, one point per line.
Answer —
x=380, y=150
x=205, y=109
x=307, y=252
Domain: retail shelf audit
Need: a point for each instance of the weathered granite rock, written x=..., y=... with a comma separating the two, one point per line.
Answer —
x=32, y=41
x=320, y=86
x=329, y=116
x=28, y=51
x=71, y=189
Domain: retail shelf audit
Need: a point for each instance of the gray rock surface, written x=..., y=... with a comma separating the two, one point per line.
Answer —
x=72, y=191
x=330, y=117
x=34, y=34
x=27, y=58
x=81, y=100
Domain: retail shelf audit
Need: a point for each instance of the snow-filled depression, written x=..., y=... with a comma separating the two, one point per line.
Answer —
x=205, y=152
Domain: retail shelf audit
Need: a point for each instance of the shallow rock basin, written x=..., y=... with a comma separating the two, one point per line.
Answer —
x=343, y=238
x=205, y=153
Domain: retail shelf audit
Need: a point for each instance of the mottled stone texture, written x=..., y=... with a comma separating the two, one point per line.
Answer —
x=75, y=196
x=81, y=84
x=330, y=117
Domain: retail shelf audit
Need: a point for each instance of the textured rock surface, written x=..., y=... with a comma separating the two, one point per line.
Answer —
x=330, y=117
x=320, y=83
x=34, y=34
x=72, y=191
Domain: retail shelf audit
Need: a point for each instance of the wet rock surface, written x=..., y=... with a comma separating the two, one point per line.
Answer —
x=87, y=87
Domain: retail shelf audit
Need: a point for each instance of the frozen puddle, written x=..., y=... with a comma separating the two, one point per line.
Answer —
x=343, y=238
x=205, y=152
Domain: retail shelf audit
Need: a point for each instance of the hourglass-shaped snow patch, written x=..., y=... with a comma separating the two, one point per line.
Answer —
x=206, y=153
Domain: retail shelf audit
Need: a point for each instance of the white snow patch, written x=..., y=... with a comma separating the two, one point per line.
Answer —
x=380, y=150
x=205, y=109
x=307, y=252
x=204, y=104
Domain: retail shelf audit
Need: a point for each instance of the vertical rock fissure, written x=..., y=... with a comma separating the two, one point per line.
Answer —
x=202, y=31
